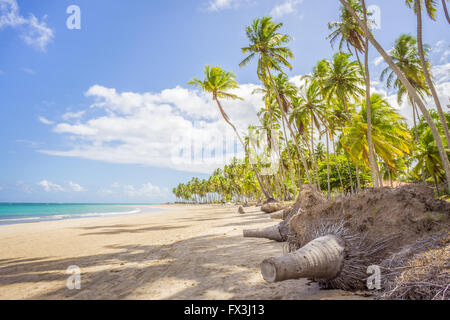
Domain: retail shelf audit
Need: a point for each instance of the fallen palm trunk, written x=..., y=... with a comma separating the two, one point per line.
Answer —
x=272, y=207
x=271, y=233
x=321, y=258
x=277, y=215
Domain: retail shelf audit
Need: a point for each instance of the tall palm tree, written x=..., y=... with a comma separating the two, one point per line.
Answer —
x=353, y=36
x=430, y=6
x=409, y=88
x=312, y=105
x=267, y=44
x=218, y=82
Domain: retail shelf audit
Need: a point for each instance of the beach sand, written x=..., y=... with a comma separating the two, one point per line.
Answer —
x=184, y=252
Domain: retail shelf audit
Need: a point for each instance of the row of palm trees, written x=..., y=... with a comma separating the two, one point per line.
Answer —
x=333, y=106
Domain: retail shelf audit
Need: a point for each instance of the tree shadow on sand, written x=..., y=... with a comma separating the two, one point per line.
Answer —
x=228, y=264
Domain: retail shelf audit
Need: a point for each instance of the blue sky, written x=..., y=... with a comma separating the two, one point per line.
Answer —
x=91, y=115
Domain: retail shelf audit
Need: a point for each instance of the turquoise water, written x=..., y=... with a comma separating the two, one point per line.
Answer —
x=12, y=213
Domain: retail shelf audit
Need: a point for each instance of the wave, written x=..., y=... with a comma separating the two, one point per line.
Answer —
x=70, y=216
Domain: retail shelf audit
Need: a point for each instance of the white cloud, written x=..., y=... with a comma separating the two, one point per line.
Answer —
x=72, y=115
x=49, y=186
x=76, y=187
x=378, y=60
x=29, y=71
x=285, y=8
x=105, y=192
x=34, y=32
x=146, y=190
x=219, y=5
x=45, y=121
x=146, y=128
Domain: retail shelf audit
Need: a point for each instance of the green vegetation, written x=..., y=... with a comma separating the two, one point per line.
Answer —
x=333, y=131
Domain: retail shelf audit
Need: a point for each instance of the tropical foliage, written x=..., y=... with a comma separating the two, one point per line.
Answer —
x=332, y=131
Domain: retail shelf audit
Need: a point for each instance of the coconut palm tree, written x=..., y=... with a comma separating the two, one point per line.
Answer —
x=343, y=79
x=430, y=7
x=409, y=88
x=218, y=82
x=267, y=44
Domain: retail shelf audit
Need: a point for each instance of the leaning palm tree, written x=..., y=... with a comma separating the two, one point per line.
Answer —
x=430, y=6
x=405, y=56
x=409, y=88
x=267, y=44
x=217, y=82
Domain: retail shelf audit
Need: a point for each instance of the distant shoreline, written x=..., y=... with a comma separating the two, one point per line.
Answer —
x=24, y=213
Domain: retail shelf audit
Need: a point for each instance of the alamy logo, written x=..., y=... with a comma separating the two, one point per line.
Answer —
x=374, y=281
x=74, y=280
x=73, y=22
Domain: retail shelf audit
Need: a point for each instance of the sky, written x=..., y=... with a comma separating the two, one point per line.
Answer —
x=102, y=113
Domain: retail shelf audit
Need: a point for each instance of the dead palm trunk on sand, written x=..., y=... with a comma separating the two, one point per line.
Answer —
x=321, y=258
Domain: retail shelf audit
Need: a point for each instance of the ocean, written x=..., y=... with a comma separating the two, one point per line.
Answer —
x=14, y=213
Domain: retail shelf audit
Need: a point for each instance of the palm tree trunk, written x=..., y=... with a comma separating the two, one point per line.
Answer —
x=427, y=73
x=322, y=258
x=358, y=178
x=444, y=5
x=328, y=166
x=313, y=155
x=263, y=190
x=289, y=126
x=436, y=183
x=372, y=161
x=290, y=159
x=410, y=89
x=337, y=165
x=416, y=133
x=350, y=174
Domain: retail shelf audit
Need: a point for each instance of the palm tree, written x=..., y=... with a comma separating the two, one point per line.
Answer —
x=343, y=79
x=352, y=34
x=391, y=137
x=312, y=104
x=217, y=82
x=267, y=43
x=409, y=88
x=404, y=54
x=428, y=161
x=430, y=6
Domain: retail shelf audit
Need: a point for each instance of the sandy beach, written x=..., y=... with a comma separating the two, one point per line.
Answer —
x=182, y=252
